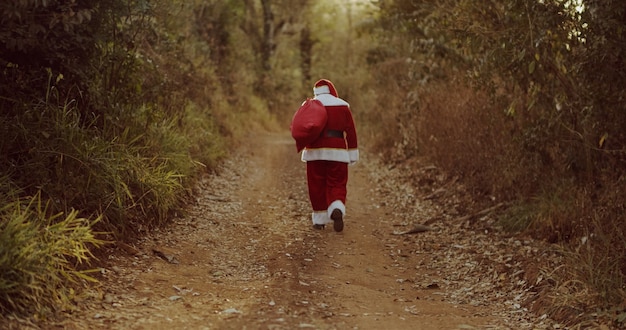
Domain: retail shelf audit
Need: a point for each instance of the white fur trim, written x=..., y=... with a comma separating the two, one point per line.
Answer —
x=330, y=100
x=354, y=155
x=324, y=89
x=321, y=218
x=333, y=154
x=336, y=205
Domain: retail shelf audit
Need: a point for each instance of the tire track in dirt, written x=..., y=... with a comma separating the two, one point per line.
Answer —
x=246, y=257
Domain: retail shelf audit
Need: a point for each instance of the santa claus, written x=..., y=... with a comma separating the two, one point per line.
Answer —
x=328, y=157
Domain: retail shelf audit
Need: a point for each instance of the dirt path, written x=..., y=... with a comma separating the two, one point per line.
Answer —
x=246, y=257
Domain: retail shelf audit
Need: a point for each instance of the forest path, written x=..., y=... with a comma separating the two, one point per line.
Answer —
x=247, y=257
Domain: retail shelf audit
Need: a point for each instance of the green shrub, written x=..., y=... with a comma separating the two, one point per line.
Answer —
x=207, y=145
x=39, y=252
x=133, y=179
x=99, y=120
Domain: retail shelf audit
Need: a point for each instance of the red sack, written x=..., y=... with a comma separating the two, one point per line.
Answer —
x=308, y=123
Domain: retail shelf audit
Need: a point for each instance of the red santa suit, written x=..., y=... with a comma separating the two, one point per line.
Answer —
x=328, y=157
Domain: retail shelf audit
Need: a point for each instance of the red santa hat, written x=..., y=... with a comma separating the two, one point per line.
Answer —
x=324, y=86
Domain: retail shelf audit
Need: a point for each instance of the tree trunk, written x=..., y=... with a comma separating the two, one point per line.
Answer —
x=268, y=45
x=306, y=48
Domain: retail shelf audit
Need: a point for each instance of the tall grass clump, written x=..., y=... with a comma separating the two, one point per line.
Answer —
x=133, y=180
x=595, y=257
x=39, y=255
x=592, y=275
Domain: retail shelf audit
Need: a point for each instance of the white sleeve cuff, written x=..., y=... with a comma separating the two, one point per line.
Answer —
x=354, y=155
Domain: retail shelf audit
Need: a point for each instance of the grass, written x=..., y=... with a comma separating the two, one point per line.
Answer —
x=68, y=184
x=39, y=255
x=504, y=157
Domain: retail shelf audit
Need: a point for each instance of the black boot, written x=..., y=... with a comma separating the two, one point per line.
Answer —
x=337, y=218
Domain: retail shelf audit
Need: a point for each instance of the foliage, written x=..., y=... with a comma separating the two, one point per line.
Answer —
x=39, y=253
x=106, y=114
x=523, y=100
x=57, y=34
x=110, y=109
x=123, y=179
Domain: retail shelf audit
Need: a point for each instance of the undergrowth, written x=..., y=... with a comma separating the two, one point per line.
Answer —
x=545, y=179
x=39, y=254
x=93, y=181
x=78, y=167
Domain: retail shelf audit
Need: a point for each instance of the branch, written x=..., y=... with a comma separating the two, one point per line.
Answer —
x=416, y=229
x=481, y=213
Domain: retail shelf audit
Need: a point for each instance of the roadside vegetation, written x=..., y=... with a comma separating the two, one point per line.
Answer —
x=523, y=102
x=111, y=110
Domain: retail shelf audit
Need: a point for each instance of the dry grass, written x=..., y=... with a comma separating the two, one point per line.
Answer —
x=388, y=123
x=504, y=156
x=459, y=129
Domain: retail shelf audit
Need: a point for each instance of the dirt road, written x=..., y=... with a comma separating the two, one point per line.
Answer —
x=246, y=257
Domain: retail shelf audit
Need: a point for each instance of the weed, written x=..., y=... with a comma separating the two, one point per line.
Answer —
x=39, y=253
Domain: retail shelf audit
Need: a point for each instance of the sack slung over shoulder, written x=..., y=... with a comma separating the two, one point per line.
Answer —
x=308, y=123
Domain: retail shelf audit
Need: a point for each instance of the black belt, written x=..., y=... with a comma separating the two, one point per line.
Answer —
x=334, y=133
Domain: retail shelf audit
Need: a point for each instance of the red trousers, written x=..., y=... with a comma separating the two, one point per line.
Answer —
x=327, y=182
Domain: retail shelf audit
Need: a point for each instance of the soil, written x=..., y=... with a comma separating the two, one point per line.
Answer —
x=245, y=256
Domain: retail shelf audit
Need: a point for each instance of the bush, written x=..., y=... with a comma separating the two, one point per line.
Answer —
x=39, y=255
x=109, y=110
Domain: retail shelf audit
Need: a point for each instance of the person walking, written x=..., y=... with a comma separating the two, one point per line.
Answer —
x=328, y=157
